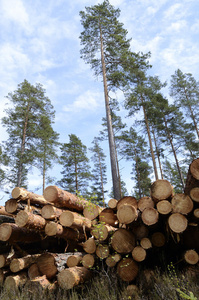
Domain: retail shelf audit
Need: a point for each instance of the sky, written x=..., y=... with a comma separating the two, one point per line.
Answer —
x=39, y=42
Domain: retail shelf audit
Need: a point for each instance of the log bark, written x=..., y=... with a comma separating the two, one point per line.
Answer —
x=177, y=222
x=102, y=251
x=89, y=246
x=161, y=189
x=150, y=216
x=55, y=229
x=6, y=258
x=29, y=220
x=164, y=207
x=88, y=261
x=139, y=254
x=126, y=213
x=6, y=219
x=49, y=212
x=13, y=282
x=12, y=233
x=91, y=211
x=63, y=199
x=123, y=241
x=101, y=231
x=3, y=212
x=74, y=220
x=182, y=203
x=40, y=283
x=22, y=194
x=191, y=257
x=71, y=277
x=18, y=264
x=158, y=239
x=127, y=269
x=145, y=202
x=127, y=200
x=108, y=216
x=112, y=203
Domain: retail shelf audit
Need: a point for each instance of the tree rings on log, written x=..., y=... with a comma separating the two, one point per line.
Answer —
x=74, y=260
x=74, y=220
x=49, y=212
x=182, y=203
x=91, y=211
x=177, y=222
x=88, y=261
x=107, y=216
x=101, y=231
x=123, y=241
x=102, y=251
x=139, y=254
x=71, y=277
x=146, y=243
x=145, y=202
x=112, y=203
x=194, y=194
x=27, y=219
x=161, y=189
x=191, y=257
x=127, y=200
x=89, y=246
x=46, y=265
x=127, y=269
x=112, y=260
x=150, y=216
x=126, y=214
x=158, y=239
x=164, y=207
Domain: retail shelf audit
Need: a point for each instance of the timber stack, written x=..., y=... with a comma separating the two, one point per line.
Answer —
x=58, y=239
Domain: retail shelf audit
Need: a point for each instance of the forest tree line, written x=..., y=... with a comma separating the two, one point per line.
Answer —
x=171, y=125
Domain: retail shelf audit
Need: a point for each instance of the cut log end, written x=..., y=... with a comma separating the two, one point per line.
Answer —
x=150, y=216
x=177, y=222
x=161, y=189
x=164, y=207
x=191, y=257
x=71, y=277
x=51, y=193
x=139, y=254
x=127, y=269
x=194, y=194
x=126, y=214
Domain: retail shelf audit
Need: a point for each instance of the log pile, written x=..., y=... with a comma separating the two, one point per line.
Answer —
x=58, y=239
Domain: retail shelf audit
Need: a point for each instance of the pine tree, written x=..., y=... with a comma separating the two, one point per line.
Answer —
x=105, y=48
x=47, y=146
x=29, y=103
x=98, y=172
x=75, y=164
x=185, y=90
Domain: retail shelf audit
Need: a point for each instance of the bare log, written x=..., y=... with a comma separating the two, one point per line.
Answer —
x=101, y=231
x=150, y=216
x=89, y=246
x=88, y=261
x=161, y=189
x=22, y=194
x=158, y=239
x=127, y=200
x=127, y=269
x=50, y=212
x=12, y=234
x=182, y=203
x=177, y=222
x=55, y=229
x=191, y=257
x=108, y=216
x=61, y=198
x=146, y=243
x=18, y=264
x=29, y=220
x=74, y=220
x=139, y=254
x=71, y=277
x=123, y=241
x=102, y=251
x=126, y=213
x=145, y=202
x=112, y=203
x=164, y=207
x=15, y=281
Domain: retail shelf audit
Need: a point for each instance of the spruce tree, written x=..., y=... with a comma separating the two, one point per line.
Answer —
x=105, y=48
x=75, y=165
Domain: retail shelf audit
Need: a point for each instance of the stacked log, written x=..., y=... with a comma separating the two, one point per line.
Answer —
x=58, y=238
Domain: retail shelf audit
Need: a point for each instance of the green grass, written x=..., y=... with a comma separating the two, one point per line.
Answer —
x=152, y=284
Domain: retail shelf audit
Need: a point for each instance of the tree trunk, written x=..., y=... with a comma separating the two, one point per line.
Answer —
x=64, y=199
x=71, y=277
x=116, y=187
x=157, y=153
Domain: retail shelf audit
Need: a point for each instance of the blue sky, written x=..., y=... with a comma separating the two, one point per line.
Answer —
x=39, y=41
